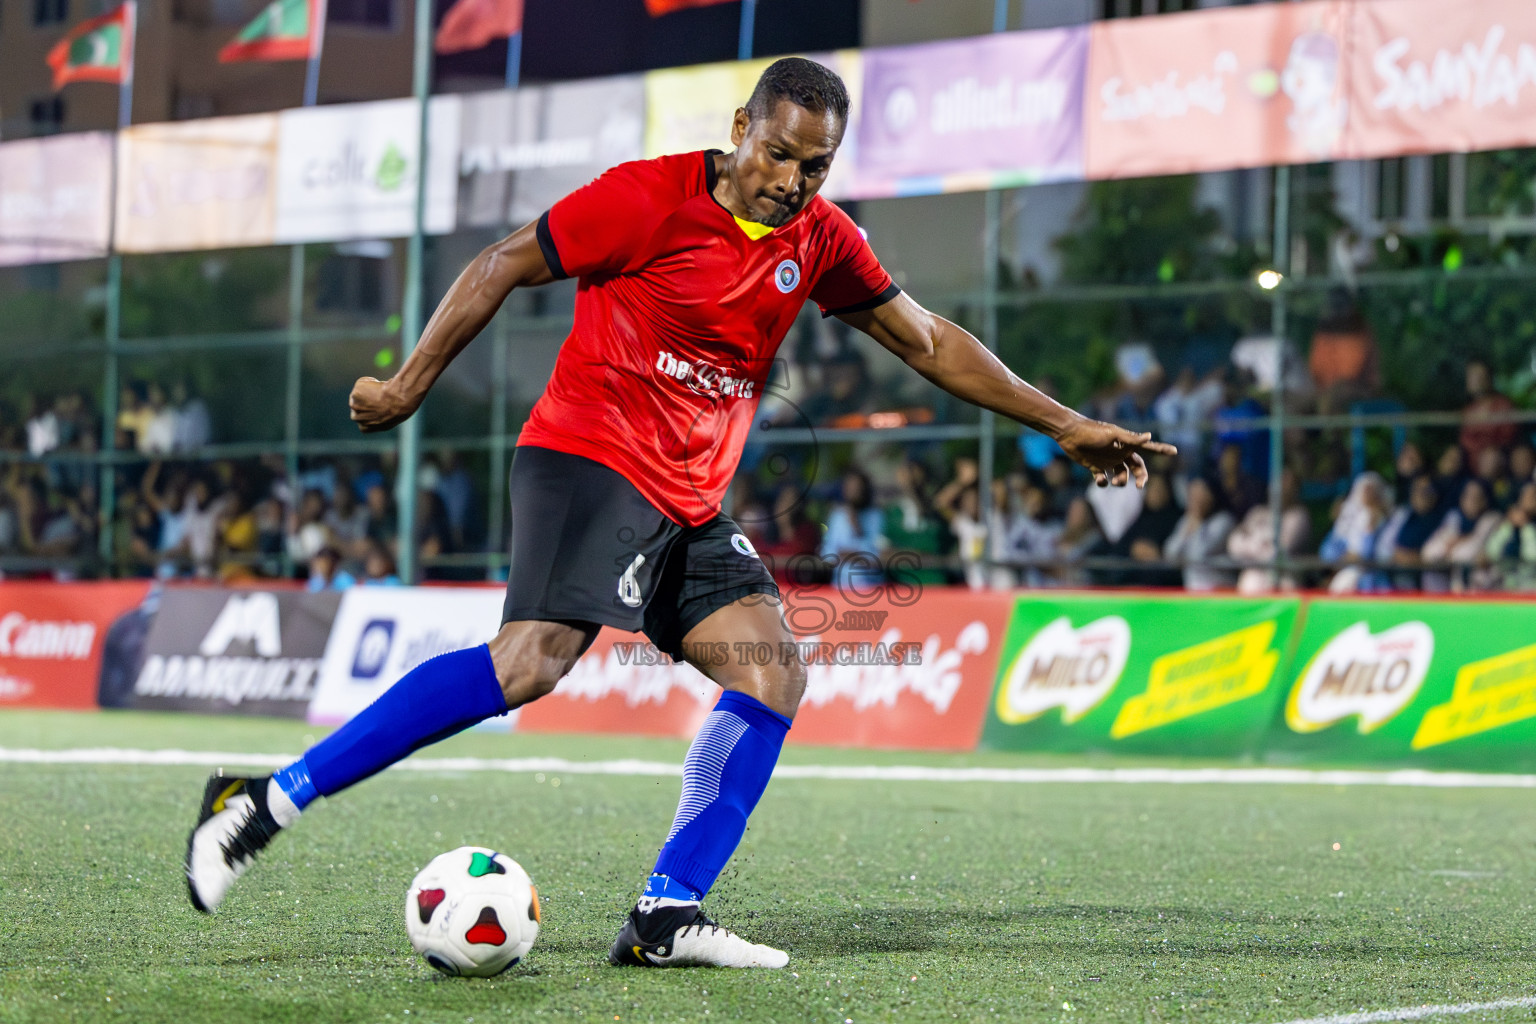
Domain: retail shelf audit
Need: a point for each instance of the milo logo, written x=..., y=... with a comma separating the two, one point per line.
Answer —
x=1073, y=669
x=1373, y=676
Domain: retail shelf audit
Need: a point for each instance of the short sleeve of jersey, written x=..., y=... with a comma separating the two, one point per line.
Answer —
x=601, y=227
x=853, y=279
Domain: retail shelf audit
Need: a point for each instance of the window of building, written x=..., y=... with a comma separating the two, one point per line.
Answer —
x=50, y=12
x=368, y=13
x=47, y=115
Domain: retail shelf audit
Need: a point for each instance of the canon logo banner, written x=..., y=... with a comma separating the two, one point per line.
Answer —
x=21, y=637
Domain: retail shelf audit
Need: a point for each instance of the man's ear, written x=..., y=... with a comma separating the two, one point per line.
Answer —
x=739, y=126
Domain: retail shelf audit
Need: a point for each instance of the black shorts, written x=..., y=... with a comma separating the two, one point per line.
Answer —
x=587, y=547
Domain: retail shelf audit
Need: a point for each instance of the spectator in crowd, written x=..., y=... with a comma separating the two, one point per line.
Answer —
x=1462, y=539
x=1183, y=411
x=853, y=541
x=1522, y=466
x=347, y=523
x=1199, y=537
x=326, y=573
x=796, y=539
x=1402, y=540
x=1033, y=535
x=1450, y=475
x=133, y=417
x=159, y=434
x=381, y=515
x=433, y=538
x=1252, y=442
x=1343, y=359
x=1511, y=547
x=193, y=426
x=1143, y=541
x=379, y=567
x=912, y=524
x=1235, y=488
x=200, y=513
x=1407, y=467
x=1056, y=478
x=1354, y=542
x=1252, y=542
x=1078, y=537
x=970, y=537
x=42, y=428
x=307, y=532
x=143, y=540
x=1491, y=470
x=1483, y=403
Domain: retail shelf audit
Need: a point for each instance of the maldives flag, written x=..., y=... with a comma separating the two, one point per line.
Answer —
x=471, y=24
x=99, y=50
x=284, y=30
x=659, y=7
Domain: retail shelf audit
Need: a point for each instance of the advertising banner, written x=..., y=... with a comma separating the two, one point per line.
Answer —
x=204, y=184
x=519, y=151
x=1430, y=76
x=381, y=633
x=349, y=171
x=1435, y=683
x=55, y=201
x=689, y=109
x=244, y=652
x=1212, y=90
x=993, y=112
x=52, y=637
x=1139, y=673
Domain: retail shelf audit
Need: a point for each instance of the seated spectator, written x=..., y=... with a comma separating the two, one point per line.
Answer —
x=326, y=573
x=1491, y=470
x=159, y=434
x=433, y=537
x=911, y=522
x=1032, y=537
x=1236, y=489
x=1183, y=411
x=1522, y=466
x=1407, y=468
x=1252, y=542
x=347, y=522
x=1144, y=539
x=1079, y=535
x=1450, y=475
x=143, y=539
x=379, y=567
x=1484, y=401
x=1402, y=540
x=792, y=556
x=1353, y=542
x=1462, y=539
x=1232, y=428
x=1512, y=546
x=200, y=513
x=853, y=541
x=381, y=514
x=1344, y=361
x=193, y=427
x=1056, y=477
x=970, y=537
x=307, y=532
x=1199, y=536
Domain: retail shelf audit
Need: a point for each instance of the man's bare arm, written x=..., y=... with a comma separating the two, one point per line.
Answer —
x=514, y=262
x=954, y=360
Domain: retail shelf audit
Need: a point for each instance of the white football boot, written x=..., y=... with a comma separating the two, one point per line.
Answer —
x=234, y=825
x=682, y=936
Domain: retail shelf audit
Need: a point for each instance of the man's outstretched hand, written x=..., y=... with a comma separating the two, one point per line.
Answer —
x=376, y=406
x=1113, y=454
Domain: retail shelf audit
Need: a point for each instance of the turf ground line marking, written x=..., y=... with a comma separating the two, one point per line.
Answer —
x=1410, y=778
x=1419, y=1012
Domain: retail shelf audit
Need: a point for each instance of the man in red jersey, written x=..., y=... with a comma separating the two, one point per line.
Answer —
x=691, y=269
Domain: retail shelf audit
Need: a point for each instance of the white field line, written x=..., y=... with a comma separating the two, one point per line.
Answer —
x=873, y=773
x=1420, y=1012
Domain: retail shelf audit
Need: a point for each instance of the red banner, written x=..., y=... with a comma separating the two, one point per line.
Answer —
x=896, y=671
x=51, y=639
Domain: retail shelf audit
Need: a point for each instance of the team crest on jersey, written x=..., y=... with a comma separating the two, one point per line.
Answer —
x=787, y=276
x=742, y=545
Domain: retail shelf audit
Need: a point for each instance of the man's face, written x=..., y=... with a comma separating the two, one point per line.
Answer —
x=782, y=159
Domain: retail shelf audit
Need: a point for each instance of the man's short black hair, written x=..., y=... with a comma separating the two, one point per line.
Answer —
x=804, y=83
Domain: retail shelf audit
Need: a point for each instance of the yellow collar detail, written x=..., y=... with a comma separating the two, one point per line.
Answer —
x=752, y=229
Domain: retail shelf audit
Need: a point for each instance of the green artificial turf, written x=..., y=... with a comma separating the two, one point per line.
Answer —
x=896, y=901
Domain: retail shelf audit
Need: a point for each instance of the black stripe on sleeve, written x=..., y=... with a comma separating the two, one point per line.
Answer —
x=547, y=244
x=859, y=307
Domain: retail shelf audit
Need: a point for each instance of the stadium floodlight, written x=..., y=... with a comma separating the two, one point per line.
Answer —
x=1269, y=280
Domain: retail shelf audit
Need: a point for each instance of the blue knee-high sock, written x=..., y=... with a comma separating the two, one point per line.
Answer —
x=434, y=700
x=724, y=775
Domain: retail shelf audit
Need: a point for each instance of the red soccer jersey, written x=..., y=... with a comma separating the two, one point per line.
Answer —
x=679, y=312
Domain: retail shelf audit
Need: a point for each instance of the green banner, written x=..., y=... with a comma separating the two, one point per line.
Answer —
x=1444, y=684
x=1176, y=674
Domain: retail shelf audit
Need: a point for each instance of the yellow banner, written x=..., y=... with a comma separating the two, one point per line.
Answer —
x=1486, y=695
x=1200, y=678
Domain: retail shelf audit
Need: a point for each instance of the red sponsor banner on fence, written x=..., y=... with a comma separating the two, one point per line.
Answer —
x=1247, y=87
x=911, y=672
x=1430, y=76
x=51, y=639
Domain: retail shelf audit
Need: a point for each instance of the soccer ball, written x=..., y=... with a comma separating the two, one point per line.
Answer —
x=472, y=912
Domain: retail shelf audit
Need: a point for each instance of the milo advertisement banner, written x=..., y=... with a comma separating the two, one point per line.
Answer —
x=1438, y=683
x=1140, y=674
